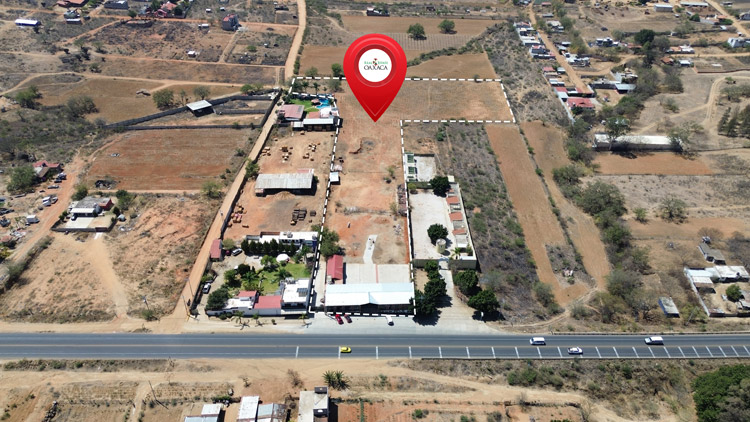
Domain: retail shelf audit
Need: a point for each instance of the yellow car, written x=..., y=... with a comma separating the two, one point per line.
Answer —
x=345, y=349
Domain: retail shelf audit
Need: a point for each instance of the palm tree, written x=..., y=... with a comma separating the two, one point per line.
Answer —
x=305, y=85
x=238, y=318
x=282, y=274
x=316, y=86
x=303, y=317
x=256, y=317
x=335, y=380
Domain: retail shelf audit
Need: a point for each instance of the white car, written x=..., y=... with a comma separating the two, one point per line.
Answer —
x=575, y=351
x=537, y=341
x=654, y=340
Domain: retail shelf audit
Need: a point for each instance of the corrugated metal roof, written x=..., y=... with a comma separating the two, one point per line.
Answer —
x=199, y=105
x=284, y=181
x=248, y=409
x=369, y=293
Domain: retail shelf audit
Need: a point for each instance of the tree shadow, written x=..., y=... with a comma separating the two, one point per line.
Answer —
x=428, y=319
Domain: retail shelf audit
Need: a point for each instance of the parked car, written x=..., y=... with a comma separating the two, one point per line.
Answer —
x=338, y=319
x=206, y=288
x=654, y=340
x=347, y=318
x=236, y=251
x=4, y=211
x=53, y=187
x=537, y=341
x=575, y=351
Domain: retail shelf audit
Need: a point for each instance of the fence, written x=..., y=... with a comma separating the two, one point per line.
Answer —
x=56, y=228
x=237, y=126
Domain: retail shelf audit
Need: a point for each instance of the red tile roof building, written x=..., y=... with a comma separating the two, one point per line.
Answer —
x=268, y=302
x=335, y=267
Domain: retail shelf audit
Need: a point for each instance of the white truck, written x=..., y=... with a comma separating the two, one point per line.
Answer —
x=31, y=219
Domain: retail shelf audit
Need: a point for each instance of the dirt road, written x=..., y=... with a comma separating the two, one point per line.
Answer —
x=297, y=42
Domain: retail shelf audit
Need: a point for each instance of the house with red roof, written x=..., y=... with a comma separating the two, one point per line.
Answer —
x=215, y=252
x=580, y=103
x=335, y=267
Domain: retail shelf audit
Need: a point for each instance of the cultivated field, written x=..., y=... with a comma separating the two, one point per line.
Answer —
x=650, y=163
x=393, y=24
x=457, y=66
x=172, y=160
x=274, y=212
x=526, y=191
x=322, y=57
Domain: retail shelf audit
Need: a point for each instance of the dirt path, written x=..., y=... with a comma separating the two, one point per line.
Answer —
x=571, y=73
x=526, y=191
x=228, y=49
x=550, y=154
x=99, y=255
x=297, y=42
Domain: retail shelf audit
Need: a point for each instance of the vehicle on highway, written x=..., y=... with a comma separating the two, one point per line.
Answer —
x=345, y=349
x=338, y=319
x=347, y=318
x=206, y=288
x=575, y=351
x=654, y=340
x=537, y=341
x=389, y=319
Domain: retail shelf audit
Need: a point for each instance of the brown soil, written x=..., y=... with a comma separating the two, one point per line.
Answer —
x=179, y=159
x=367, y=24
x=322, y=57
x=549, y=154
x=654, y=163
x=457, y=66
x=526, y=190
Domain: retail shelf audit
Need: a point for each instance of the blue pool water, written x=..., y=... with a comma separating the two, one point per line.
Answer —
x=324, y=103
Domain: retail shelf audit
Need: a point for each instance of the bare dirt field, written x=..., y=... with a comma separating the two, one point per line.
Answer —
x=178, y=159
x=622, y=18
x=162, y=40
x=53, y=33
x=526, y=191
x=87, y=277
x=322, y=57
x=456, y=66
x=371, y=153
x=274, y=212
x=549, y=154
x=183, y=70
x=90, y=391
x=153, y=253
x=368, y=24
x=650, y=163
x=262, y=45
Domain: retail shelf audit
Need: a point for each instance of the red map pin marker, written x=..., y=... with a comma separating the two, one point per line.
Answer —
x=375, y=67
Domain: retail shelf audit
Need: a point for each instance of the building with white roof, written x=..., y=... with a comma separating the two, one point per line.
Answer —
x=248, y=409
x=313, y=405
x=301, y=182
x=369, y=297
x=602, y=142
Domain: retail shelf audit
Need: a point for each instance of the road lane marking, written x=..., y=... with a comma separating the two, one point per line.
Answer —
x=735, y=351
x=652, y=352
x=493, y=353
x=339, y=352
x=409, y=352
x=538, y=350
x=748, y=353
x=636, y=352
x=296, y=354
x=695, y=351
x=667, y=352
x=440, y=350
x=377, y=353
x=616, y=354
x=722, y=351
x=683, y=353
x=517, y=355
x=709, y=351
x=558, y=351
x=597, y=352
x=468, y=355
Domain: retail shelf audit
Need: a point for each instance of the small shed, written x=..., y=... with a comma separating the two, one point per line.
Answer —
x=335, y=178
x=200, y=108
x=667, y=305
x=215, y=252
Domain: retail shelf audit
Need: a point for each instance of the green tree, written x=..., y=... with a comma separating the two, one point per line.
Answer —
x=22, y=179
x=616, y=127
x=718, y=395
x=334, y=85
x=312, y=72
x=124, y=198
x=467, y=282
x=337, y=69
x=27, y=97
x=640, y=215
x=602, y=200
x=80, y=105
x=211, y=189
x=228, y=244
x=163, y=98
x=245, y=89
x=422, y=305
x=723, y=121
x=335, y=380
x=644, y=36
x=217, y=299
x=252, y=170
x=202, y=91
x=329, y=242
x=81, y=192
x=440, y=185
x=437, y=231
x=734, y=293
x=673, y=209
x=485, y=301
x=132, y=13
x=416, y=31
x=447, y=26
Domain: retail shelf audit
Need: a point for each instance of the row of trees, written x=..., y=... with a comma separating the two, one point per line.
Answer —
x=417, y=31
x=272, y=248
x=483, y=301
x=426, y=302
x=735, y=123
x=165, y=98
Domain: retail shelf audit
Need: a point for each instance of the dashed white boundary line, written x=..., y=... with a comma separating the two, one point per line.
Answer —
x=343, y=78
